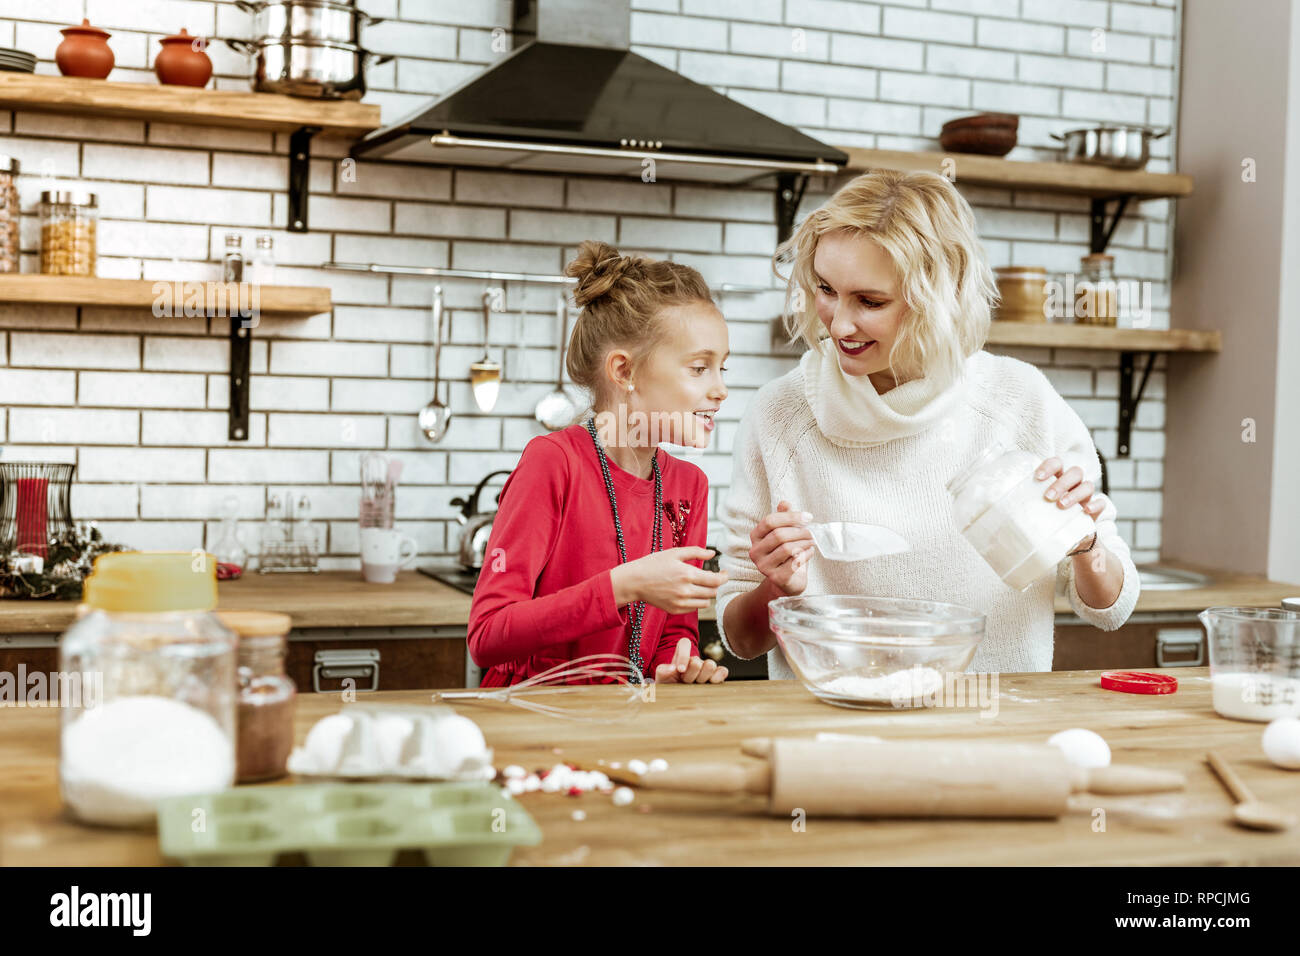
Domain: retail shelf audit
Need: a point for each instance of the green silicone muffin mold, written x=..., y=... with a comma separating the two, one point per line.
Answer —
x=454, y=824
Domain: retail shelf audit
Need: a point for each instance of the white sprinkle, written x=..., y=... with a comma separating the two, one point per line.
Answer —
x=514, y=770
x=515, y=786
x=615, y=765
x=637, y=767
x=579, y=815
x=623, y=796
x=533, y=782
x=658, y=764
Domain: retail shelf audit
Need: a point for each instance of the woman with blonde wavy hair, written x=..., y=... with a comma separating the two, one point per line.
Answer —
x=890, y=290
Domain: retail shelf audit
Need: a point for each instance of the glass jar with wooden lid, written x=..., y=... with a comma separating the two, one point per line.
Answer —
x=1023, y=293
x=266, y=694
x=1096, y=301
x=68, y=221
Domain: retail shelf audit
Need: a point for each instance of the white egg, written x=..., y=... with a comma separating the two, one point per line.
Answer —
x=457, y=740
x=1281, y=742
x=324, y=744
x=391, y=734
x=1082, y=748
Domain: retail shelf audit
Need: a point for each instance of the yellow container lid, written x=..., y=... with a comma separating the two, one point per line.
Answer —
x=142, y=582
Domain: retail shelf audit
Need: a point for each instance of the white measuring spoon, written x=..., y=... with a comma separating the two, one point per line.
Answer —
x=850, y=541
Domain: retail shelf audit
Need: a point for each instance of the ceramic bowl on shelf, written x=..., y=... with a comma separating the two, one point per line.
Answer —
x=85, y=52
x=988, y=134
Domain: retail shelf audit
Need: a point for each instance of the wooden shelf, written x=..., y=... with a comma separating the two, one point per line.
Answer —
x=1098, y=182
x=219, y=298
x=1060, y=335
x=185, y=104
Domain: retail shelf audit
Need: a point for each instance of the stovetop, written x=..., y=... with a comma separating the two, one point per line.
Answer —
x=456, y=577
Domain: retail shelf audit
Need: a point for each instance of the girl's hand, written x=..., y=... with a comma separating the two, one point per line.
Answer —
x=1068, y=489
x=665, y=580
x=686, y=669
x=781, y=547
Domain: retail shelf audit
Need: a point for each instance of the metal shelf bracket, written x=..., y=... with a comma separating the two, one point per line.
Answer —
x=1128, y=399
x=241, y=343
x=1101, y=231
x=789, y=194
x=299, y=175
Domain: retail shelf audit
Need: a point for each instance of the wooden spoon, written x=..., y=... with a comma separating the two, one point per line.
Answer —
x=1248, y=812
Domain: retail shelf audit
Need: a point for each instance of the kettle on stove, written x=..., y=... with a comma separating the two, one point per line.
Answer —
x=478, y=525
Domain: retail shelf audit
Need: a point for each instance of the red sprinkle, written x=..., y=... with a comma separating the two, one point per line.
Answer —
x=575, y=792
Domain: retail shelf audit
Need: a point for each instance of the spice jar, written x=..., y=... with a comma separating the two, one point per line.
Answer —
x=266, y=694
x=998, y=506
x=68, y=221
x=1022, y=293
x=10, y=214
x=147, y=688
x=1096, y=301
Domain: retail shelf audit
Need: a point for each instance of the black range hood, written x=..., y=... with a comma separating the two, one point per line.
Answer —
x=571, y=97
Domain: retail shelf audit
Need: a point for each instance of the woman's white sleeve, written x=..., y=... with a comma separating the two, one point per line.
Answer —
x=1080, y=450
x=744, y=504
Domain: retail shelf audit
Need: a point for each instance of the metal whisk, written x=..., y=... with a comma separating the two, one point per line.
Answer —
x=605, y=705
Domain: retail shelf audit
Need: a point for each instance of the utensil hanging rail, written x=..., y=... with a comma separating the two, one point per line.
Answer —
x=541, y=278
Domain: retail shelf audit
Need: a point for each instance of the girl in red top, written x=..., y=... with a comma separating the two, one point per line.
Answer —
x=598, y=542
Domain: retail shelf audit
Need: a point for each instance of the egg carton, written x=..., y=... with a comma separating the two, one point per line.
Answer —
x=377, y=742
x=453, y=824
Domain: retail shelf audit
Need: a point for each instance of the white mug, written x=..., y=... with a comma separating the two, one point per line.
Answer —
x=384, y=551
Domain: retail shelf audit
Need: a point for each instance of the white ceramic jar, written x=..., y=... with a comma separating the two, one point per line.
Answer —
x=999, y=507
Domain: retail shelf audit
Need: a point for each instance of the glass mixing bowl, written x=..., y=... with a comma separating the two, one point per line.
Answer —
x=874, y=652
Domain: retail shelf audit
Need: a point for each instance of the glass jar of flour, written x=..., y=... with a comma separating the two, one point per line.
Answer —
x=148, y=702
x=998, y=506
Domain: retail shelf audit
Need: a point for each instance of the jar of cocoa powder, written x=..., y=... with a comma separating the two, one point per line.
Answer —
x=266, y=694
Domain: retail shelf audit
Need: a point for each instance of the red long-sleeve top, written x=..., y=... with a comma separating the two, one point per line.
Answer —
x=544, y=595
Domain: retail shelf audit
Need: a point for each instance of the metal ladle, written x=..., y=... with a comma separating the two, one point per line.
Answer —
x=485, y=374
x=556, y=409
x=435, y=417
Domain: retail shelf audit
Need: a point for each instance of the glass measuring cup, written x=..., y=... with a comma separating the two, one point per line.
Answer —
x=1254, y=661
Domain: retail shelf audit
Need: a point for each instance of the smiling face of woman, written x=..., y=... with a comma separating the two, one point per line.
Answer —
x=860, y=304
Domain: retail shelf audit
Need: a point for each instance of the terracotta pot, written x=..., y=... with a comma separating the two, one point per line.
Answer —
x=182, y=61
x=84, y=52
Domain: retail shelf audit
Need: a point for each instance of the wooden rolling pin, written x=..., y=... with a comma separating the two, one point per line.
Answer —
x=845, y=778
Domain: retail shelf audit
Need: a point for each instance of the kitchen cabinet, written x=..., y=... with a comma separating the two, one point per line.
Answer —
x=1146, y=641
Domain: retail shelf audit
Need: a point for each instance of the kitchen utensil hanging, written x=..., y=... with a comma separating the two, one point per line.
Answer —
x=485, y=374
x=556, y=409
x=606, y=705
x=436, y=417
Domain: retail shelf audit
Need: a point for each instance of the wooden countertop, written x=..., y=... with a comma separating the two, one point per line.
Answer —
x=344, y=599
x=1190, y=828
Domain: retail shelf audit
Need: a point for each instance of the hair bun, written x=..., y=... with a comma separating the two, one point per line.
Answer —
x=598, y=267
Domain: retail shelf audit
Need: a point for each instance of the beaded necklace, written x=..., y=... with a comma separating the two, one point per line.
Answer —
x=656, y=543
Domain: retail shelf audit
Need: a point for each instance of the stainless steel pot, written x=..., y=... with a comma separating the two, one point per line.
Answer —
x=326, y=21
x=308, y=67
x=1120, y=147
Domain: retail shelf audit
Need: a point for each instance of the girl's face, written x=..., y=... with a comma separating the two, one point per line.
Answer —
x=859, y=303
x=679, y=388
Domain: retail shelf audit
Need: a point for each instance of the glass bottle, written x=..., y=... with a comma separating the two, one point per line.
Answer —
x=232, y=263
x=266, y=694
x=1096, y=301
x=147, y=692
x=262, y=267
x=229, y=549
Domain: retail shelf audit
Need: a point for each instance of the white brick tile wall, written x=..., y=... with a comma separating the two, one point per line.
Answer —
x=138, y=402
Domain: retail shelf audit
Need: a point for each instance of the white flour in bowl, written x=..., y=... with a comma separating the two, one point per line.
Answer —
x=901, y=687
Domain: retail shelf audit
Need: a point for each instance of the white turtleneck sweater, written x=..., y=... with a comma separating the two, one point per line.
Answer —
x=830, y=444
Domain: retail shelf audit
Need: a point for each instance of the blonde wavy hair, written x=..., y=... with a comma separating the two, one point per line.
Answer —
x=621, y=298
x=927, y=229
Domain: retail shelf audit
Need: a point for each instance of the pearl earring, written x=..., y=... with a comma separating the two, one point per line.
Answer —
x=631, y=388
